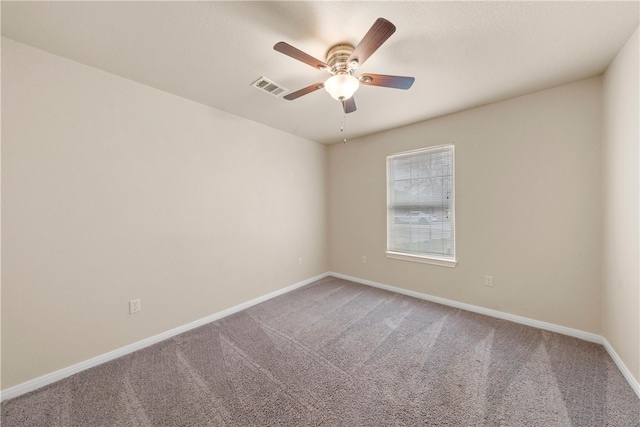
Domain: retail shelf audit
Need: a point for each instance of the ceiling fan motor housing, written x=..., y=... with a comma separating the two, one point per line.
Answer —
x=338, y=59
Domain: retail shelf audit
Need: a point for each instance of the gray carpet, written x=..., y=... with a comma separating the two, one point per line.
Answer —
x=336, y=353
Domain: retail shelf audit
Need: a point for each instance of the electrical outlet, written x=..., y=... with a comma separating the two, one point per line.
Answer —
x=488, y=281
x=364, y=259
x=300, y=261
x=135, y=306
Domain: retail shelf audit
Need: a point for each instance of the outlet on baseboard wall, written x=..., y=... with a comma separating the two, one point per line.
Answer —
x=364, y=259
x=488, y=281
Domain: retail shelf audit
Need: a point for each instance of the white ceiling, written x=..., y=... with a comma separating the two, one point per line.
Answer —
x=462, y=54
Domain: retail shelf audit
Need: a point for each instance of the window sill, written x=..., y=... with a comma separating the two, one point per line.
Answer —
x=422, y=259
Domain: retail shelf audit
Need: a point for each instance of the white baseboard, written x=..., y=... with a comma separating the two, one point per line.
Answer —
x=587, y=336
x=47, y=379
x=476, y=309
x=74, y=369
x=635, y=384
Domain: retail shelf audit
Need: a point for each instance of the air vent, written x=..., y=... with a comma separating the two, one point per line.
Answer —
x=268, y=86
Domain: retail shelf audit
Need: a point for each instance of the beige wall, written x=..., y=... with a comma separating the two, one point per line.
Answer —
x=113, y=190
x=621, y=221
x=528, y=206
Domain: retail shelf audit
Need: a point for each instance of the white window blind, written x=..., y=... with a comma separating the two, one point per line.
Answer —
x=420, y=213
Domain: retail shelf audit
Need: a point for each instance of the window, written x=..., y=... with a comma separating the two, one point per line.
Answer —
x=420, y=201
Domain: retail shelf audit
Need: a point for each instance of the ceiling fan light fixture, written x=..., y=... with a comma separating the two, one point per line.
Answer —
x=341, y=86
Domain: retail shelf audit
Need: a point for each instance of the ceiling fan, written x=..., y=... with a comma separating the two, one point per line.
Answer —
x=342, y=61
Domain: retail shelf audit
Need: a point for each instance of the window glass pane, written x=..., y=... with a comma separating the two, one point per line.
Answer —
x=402, y=168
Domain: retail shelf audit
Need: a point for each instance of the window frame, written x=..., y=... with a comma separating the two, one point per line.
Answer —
x=425, y=259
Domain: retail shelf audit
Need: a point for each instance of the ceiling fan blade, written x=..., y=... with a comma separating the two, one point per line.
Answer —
x=295, y=53
x=396, y=82
x=349, y=105
x=379, y=32
x=304, y=91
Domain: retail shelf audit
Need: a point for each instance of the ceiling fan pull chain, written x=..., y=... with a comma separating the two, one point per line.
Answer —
x=344, y=124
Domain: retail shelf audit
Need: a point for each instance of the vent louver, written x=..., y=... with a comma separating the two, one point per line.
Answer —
x=268, y=86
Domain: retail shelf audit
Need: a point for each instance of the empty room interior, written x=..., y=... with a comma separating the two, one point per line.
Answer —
x=203, y=223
